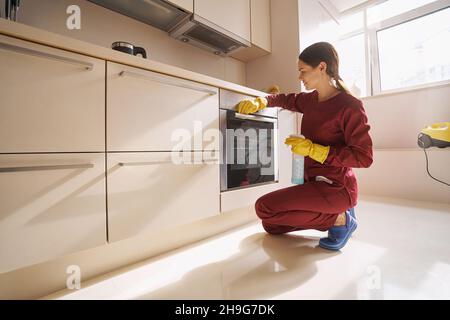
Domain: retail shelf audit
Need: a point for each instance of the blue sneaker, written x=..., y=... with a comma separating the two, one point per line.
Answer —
x=339, y=235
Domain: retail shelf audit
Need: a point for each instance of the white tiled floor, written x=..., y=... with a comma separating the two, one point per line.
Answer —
x=401, y=250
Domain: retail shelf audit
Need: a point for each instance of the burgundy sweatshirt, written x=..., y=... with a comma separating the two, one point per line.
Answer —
x=339, y=122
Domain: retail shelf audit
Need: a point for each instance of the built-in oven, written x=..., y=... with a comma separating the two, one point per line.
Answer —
x=249, y=155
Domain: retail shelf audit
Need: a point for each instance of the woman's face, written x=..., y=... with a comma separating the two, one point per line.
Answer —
x=311, y=77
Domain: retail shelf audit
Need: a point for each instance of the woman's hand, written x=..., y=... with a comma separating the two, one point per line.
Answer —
x=248, y=106
x=307, y=148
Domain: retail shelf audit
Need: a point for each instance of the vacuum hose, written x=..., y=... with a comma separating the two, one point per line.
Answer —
x=424, y=142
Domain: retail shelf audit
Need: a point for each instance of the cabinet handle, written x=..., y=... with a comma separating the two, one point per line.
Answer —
x=146, y=163
x=31, y=52
x=171, y=82
x=41, y=168
x=149, y=163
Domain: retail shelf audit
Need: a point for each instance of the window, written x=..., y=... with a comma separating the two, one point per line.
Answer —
x=352, y=64
x=351, y=23
x=392, y=8
x=395, y=44
x=416, y=52
x=352, y=56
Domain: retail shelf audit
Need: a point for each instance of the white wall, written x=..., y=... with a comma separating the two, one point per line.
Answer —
x=397, y=118
x=280, y=67
x=399, y=168
x=102, y=27
x=402, y=174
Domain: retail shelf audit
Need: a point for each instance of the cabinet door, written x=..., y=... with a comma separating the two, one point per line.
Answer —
x=232, y=15
x=51, y=205
x=260, y=22
x=148, y=111
x=148, y=192
x=51, y=100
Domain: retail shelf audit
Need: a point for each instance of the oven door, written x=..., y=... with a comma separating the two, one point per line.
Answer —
x=249, y=152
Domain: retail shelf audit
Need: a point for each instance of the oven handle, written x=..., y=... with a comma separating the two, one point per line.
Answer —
x=255, y=118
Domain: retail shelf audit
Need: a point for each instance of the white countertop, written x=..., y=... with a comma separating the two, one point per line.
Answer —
x=25, y=32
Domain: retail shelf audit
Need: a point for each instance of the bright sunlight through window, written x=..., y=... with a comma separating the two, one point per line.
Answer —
x=416, y=52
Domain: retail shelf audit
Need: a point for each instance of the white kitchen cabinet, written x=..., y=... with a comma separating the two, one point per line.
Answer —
x=51, y=100
x=50, y=205
x=232, y=15
x=148, y=192
x=260, y=24
x=187, y=5
x=148, y=111
x=261, y=34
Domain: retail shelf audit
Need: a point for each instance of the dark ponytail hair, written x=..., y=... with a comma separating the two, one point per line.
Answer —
x=324, y=51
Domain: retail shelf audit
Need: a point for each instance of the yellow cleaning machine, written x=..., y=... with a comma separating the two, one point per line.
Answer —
x=436, y=135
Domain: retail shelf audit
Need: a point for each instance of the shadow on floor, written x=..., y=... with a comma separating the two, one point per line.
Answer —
x=266, y=265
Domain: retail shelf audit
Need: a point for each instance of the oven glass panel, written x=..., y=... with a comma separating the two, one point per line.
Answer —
x=250, y=151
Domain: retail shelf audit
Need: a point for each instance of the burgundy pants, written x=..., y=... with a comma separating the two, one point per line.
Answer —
x=313, y=205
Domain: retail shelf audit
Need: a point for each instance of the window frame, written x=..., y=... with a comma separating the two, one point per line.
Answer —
x=373, y=77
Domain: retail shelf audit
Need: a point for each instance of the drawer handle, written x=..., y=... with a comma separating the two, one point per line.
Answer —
x=146, y=163
x=170, y=82
x=149, y=163
x=31, y=52
x=41, y=168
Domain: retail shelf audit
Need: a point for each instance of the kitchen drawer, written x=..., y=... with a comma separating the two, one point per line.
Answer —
x=51, y=100
x=51, y=205
x=147, y=192
x=146, y=108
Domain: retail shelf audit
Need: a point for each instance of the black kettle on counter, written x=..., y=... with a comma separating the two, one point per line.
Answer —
x=129, y=48
x=11, y=9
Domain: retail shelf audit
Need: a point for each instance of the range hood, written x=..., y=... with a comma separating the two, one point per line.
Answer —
x=209, y=36
x=157, y=13
x=180, y=24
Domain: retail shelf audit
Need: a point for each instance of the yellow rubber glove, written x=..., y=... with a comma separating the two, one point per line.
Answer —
x=307, y=148
x=248, y=106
